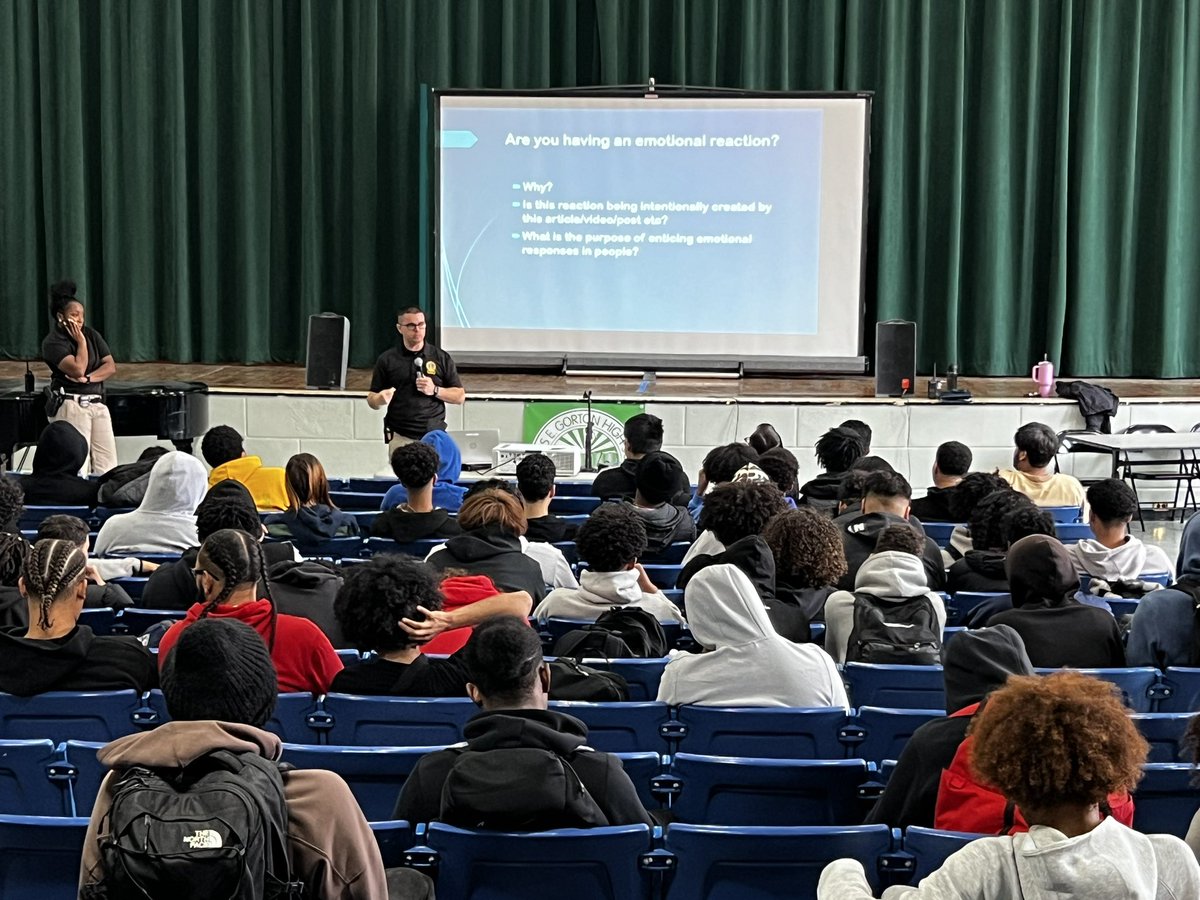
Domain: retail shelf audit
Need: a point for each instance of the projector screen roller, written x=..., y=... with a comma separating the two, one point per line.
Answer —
x=638, y=227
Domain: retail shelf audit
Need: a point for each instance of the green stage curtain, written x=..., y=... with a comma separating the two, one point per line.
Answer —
x=212, y=172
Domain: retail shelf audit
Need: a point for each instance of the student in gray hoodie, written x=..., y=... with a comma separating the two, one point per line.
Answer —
x=1114, y=554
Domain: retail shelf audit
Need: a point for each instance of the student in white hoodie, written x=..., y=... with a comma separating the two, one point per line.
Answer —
x=1114, y=554
x=895, y=574
x=610, y=541
x=745, y=662
x=1056, y=746
x=165, y=520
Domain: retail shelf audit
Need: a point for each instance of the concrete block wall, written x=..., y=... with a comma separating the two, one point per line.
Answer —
x=346, y=435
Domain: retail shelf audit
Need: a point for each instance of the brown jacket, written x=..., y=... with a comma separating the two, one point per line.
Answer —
x=332, y=848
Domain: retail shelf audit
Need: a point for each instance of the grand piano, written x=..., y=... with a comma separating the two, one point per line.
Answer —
x=175, y=411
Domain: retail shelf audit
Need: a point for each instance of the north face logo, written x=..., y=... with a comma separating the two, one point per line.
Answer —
x=204, y=839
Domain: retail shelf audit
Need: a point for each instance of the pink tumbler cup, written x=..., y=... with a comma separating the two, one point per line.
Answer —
x=1043, y=374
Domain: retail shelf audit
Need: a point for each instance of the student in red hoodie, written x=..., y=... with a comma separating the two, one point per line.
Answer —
x=229, y=576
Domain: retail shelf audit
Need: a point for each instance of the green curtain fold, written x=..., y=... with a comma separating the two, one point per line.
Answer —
x=214, y=172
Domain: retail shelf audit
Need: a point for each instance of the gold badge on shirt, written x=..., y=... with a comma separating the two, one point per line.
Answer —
x=430, y=368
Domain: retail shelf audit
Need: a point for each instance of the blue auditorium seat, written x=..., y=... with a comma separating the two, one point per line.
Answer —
x=642, y=675
x=553, y=628
x=771, y=732
x=642, y=767
x=134, y=621
x=729, y=790
x=569, y=551
x=963, y=603
x=1164, y=733
x=930, y=847
x=349, y=657
x=671, y=555
x=620, y=727
x=940, y=532
x=764, y=863
x=32, y=516
x=134, y=586
x=1138, y=685
x=100, y=620
x=1165, y=799
x=394, y=837
x=356, y=500
x=86, y=773
x=1073, y=532
x=572, y=488
x=419, y=549
x=1179, y=690
x=1063, y=515
x=289, y=721
x=65, y=715
x=39, y=857
x=663, y=576
x=378, y=486
x=361, y=721
x=895, y=687
x=877, y=733
x=375, y=774
x=33, y=780
x=334, y=548
x=582, y=864
x=573, y=506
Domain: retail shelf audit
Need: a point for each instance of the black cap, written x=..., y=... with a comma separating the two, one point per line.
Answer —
x=220, y=669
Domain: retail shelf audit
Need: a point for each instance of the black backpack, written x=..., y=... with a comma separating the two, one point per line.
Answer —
x=216, y=828
x=624, y=632
x=517, y=789
x=570, y=680
x=898, y=633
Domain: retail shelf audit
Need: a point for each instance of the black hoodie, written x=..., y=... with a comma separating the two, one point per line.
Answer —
x=307, y=589
x=494, y=552
x=81, y=661
x=601, y=773
x=549, y=529
x=976, y=663
x=310, y=525
x=173, y=586
x=404, y=526
x=61, y=452
x=621, y=481
x=860, y=532
x=979, y=570
x=665, y=524
x=934, y=506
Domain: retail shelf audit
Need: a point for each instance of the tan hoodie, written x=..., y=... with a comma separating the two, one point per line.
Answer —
x=332, y=848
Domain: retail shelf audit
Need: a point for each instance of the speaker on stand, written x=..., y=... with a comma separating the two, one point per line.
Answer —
x=328, y=352
x=895, y=358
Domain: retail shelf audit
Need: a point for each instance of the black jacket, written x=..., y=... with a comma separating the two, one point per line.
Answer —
x=978, y=570
x=665, y=524
x=809, y=600
x=860, y=532
x=934, y=506
x=172, y=585
x=601, y=773
x=493, y=552
x=81, y=661
x=310, y=525
x=1097, y=404
x=307, y=589
x=822, y=492
x=1066, y=634
x=550, y=529
x=55, y=481
x=976, y=663
x=621, y=481
x=403, y=526
x=423, y=677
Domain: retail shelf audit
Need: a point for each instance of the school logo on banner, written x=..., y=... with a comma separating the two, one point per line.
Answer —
x=566, y=423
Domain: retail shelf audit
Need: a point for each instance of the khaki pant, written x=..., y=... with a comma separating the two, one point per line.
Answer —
x=398, y=440
x=95, y=424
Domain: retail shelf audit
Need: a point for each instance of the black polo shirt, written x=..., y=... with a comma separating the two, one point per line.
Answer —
x=412, y=413
x=58, y=344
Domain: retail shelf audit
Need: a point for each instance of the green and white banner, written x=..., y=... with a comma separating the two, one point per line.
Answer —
x=566, y=423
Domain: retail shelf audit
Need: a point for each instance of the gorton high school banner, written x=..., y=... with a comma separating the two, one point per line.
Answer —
x=566, y=423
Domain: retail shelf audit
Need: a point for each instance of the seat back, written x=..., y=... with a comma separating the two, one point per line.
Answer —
x=940, y=532
x=1061, y=514
x=895, y=687
x=592, y=863
x=642, y=767
x=358, y=721
x=289, y=721
x=568, y=505
x=1073, y=532
x=84, y=715
x=419, y=549
x=769, y=732
x=1138, y=685
x=1179, y=690
x=86, y=774
x=134, y=621
x=1165, y=799
x=962, y=603
x=642, y=675
x=32, y=779
x=1164, y=733
x=930, y=847
x=375, y=774
x=31, y=516
x=100, y=620
x=620, y=727
x=394, y=837
x=39, y=857
x=877, y=733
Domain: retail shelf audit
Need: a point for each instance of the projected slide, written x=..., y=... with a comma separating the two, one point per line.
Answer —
x=618, y=224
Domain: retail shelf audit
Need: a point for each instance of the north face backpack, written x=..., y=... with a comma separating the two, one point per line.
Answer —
x=963, y=804
x=517, y=789
x=217, y=828
x=623, y=632
x=899, y=633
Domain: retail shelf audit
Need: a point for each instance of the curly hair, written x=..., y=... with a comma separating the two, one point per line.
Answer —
x=493, y=507
x=1058, y=739
x=502, y=659
x=306, y=483
x=1113, y=501
x=854, y=484
x=1024, y=520
x=721, y=463
x=807, y=547
x=987, y=519
x=740, y=508
x=838, y=448
x=781, y=467
x=227, y=504
x=415, y=464
x=973, y=488
x=900, y=538
x=51, y=569
x=612, y=537
x=377, y=594
x=12, y=499
x=535, y=476
x=14, y=549
x=221, y=445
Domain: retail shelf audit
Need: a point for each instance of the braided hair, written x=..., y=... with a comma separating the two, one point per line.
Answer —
x=239, y=559
x=50, y=568
x=13, y=551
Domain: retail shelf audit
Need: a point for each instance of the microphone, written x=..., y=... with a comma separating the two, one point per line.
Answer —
x=418, y=363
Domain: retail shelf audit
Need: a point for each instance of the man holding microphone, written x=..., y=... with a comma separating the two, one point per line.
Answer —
x=414, y=380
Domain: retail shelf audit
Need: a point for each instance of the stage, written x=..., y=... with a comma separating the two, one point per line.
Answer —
x=270, y=405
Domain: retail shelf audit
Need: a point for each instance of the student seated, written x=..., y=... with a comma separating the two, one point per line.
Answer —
x=223, y=451
x=1033, y=469
x=310, y=517
x=1057, y=747
x=809, y=559
x=719, y=467
x=100, y=592
x=744, y=661
x=733, y=511
x=535, y=484
x=217, y=706
x=165, y=520
x=1042, y=581
x=125, y=485
x=952, y=462
x=390, y=606
x=53, y=652
x=885, y=502
x=418, y=517
x=666, y=523
x=982, y=567
x=14, y=612
x=975, y=663
x=783, y=469
x=837, y=450
x=447, y=494
x=12, y=500
x=643, y=434
x=502, y=785
x=1164, y=631
x=54, y=481
x=1114, y=554
x=893, y=576
x=962, y=501
x=764, y=438
x=229, y=576
x=610, y=541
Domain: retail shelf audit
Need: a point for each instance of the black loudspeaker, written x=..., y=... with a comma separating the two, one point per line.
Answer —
x=895, y=358
x=328, y=352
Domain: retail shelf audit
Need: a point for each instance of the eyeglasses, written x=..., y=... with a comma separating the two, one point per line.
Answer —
x=417, y=326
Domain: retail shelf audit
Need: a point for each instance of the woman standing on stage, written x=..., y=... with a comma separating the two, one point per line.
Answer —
x=80, y=362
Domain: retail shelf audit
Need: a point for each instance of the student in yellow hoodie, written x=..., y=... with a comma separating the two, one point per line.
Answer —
x=223, y=451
